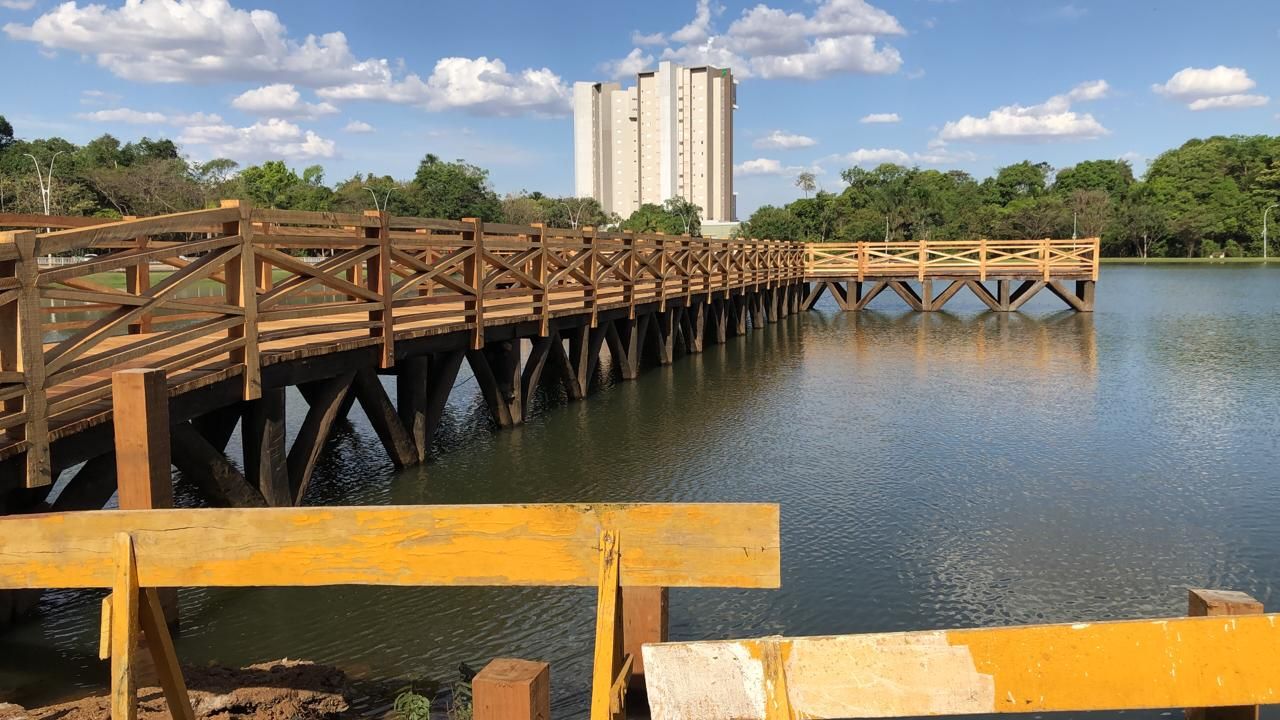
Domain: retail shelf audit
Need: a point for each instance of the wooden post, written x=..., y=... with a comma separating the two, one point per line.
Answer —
x=265, y=460
x=644, y=620
x=1215, y=603
x=591, y=268
x=510, y=689
x=23, y=349
x=379, y=267
x=140, y=407
x=541, y=298
x=124, y=631
x=137, y=280
x=242, y=291
x=411, y=400
x=474, y=269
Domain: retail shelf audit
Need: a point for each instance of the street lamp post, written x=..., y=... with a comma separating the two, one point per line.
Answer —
x=46, y=187
x=1270, y=207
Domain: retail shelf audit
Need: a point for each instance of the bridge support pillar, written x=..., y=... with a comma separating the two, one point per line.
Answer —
x=663, y=333
x=265, y=464
x=756, y=308
x=626, y=340
x=423, y=384
x=720, y=320
x=739, y=309
x=497, y=371
x=1084, y=291
x=1003, y=297
x=578, y=366
x=693, y=327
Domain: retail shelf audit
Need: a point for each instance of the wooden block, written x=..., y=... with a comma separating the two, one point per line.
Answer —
x=511, y=689
x=644, y=620
x=1216, y=603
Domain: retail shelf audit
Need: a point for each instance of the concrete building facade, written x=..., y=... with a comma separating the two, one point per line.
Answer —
x=670, y=135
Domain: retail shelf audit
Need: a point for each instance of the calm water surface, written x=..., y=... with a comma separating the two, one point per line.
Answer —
x=936, y=470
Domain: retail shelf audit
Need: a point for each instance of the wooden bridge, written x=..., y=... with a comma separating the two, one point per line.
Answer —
x=237, y=304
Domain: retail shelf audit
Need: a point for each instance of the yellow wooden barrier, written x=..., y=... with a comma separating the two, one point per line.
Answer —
x=1127, y=665
x=606, y=546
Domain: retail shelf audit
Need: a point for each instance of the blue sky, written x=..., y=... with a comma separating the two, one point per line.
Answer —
x=970, y=84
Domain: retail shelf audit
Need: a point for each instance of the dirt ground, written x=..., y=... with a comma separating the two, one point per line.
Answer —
x=277, y=690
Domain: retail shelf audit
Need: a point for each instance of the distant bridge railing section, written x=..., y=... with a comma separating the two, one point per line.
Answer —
x=237, y=289
x=979, y=259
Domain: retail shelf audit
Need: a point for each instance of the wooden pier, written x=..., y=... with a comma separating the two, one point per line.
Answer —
x=255, y=301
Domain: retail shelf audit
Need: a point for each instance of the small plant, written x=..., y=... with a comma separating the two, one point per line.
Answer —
x=410, y=705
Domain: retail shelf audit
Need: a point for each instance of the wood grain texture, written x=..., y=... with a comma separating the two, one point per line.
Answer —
x=681, y=545
x=1126, y=665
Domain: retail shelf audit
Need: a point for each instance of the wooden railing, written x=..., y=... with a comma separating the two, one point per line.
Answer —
x=608, y=547
x=233, y=282
x=980, y=259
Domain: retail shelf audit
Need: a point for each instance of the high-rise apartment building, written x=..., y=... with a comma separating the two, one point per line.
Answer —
x=671, y=135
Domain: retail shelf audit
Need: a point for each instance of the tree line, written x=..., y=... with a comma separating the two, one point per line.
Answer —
x=1204, y=198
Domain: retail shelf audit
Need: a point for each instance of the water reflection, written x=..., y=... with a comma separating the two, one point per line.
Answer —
x=935, y=470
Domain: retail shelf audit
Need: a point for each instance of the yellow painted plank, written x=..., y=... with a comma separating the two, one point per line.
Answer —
x=673, y=545
x=1127, y=665
x=124, y=627
x=608, y=640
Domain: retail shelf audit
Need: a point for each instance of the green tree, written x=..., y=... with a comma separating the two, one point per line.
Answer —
x=806, y=182
x=268, y=185
x=773, y=223
x=453, y=190
x=1114, y=177
x=6, y=134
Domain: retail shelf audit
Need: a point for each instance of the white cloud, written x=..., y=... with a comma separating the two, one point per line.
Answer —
x=1214, y=88
x=358, y=127
x=769, y=166
x=480, y=86
x=18, y=4
x=1051, y=120
x=699, y=28
x=937, y=154
x=875, y=156
x=210, y=41
x=782, y=140
x=880, y=118
x=840, y=36
x=273, y=138
x=279, y=100
x=759, y=166
x=636, y=61
x=140, y=117
x=638, y=38
x=1229, y=101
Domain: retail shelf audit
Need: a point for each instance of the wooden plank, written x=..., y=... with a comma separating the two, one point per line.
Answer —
x=124, y=626
x=196, y=221
x=1126, y=665
x=607, y=657
x=166, y=659
x=1222, y=603
x=511, y=689
x=677, y=545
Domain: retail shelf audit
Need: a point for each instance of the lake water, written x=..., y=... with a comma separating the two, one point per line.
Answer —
x=940, y=470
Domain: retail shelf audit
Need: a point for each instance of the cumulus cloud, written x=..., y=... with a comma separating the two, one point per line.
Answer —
x=769, y=166
x=358, y=127
x=264, y=139
x=279, y=100
x=211, y=41
x=875, y=156
x=1051, y=120
x=782, y=140
x=937, y=154
x=874, y=118
x=1214, y=88
x=477, y=85
x=636, y=61
x=839, y=36
x=140, y=117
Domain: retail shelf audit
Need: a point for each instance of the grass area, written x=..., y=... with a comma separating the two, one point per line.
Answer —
x=1186, y=261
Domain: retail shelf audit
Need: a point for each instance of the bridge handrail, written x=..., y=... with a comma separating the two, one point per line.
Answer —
x=605, y=546
x=1044, y=258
